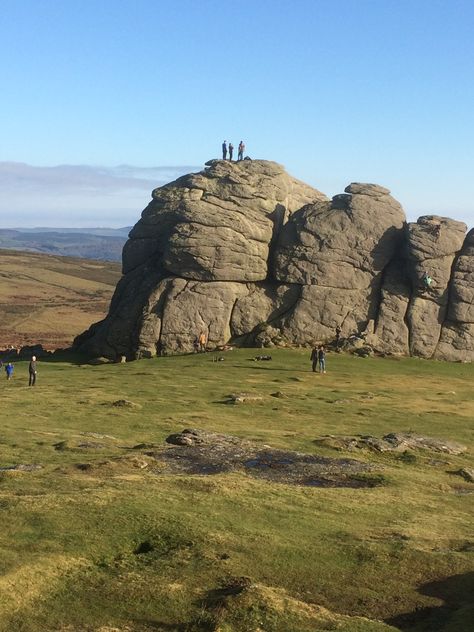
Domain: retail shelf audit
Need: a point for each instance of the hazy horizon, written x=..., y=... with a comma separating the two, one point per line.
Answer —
x=91, y=196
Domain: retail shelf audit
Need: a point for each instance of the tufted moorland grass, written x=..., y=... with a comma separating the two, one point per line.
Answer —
x=92, y=539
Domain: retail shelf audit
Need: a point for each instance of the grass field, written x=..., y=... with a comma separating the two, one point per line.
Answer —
x=102, y=538
x=50, y=300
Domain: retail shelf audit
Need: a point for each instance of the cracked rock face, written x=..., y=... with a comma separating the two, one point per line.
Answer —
x=244, y=248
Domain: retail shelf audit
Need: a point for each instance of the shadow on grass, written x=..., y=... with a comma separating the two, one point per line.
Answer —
x=265, y=367
x=160, y=626
x=456, y=592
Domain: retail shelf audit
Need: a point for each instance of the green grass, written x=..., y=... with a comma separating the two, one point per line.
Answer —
x=138, y=549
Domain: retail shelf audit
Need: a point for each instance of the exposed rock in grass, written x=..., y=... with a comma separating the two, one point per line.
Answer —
x=21, y=467
x=193, y=436
x=83, y=466
x=279, y=395
x=125, y=403
x=395, y=441
x=99, y=360
x=145, y=446
x=364, y=352
x=405, y=440
x=98, y=435
x=201, y=452
x=91, y=445
x=61, y=445
x=467, y=473
x=244, y=398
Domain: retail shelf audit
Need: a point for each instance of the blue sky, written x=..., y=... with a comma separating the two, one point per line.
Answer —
x=336, y=90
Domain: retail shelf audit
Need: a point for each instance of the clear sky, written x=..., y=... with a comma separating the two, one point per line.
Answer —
x=336, y=90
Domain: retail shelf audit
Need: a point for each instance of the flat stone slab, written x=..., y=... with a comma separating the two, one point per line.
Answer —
x=21, y=467
x=244, y=398
x=195, y=451
x=392, y=442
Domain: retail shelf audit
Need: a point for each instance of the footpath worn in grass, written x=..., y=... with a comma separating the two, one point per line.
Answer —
x=94, y=540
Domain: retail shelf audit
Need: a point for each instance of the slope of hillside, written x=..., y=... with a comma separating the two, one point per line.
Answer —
x=48, y=300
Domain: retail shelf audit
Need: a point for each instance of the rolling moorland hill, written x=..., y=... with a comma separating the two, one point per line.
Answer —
x=49, y=299
x=91, y=243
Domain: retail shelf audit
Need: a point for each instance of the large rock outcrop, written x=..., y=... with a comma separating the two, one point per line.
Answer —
x=242, y=248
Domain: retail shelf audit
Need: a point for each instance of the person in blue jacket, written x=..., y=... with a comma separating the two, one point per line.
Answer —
x=9, y=370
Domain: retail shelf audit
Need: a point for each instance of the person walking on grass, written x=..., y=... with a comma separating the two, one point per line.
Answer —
x=314, y=358
x=32, y=371
x=9, y=368
x=322, y=359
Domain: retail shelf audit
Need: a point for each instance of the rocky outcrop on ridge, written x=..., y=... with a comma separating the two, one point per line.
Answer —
x=247, y=254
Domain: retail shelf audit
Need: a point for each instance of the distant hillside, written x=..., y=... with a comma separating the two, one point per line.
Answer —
x=93, y=243
x=49, y=299
x=93, y=230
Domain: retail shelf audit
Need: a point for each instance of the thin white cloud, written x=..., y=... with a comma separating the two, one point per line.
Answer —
x=78, y=195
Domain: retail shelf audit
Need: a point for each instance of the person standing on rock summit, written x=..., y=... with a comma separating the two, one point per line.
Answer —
x=240, y=155
x=231, y=151
x=32, y=371
x=224, y=150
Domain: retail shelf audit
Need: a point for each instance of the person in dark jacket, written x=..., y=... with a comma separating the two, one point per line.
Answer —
x=224, y=150
x=32, y=371
x=231, y=151
x=314, y=358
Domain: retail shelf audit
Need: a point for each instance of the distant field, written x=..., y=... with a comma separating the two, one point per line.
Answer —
x=98, y=535
x=105, y=244
x=48, y=300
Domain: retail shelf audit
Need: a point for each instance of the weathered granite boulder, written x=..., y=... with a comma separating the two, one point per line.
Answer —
x=248, y=255
x=457, y=335
x=337, y=251
x=217, y=225
x=391, y=333
x=432, y=244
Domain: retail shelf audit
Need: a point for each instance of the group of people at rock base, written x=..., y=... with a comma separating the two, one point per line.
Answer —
x=32, y=372
x=318, y=357
x=230, y=149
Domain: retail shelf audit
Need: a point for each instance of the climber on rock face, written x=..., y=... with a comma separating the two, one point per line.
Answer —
x=427, y=280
